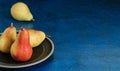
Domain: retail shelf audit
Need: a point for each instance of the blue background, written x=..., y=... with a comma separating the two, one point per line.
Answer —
x=86, y=33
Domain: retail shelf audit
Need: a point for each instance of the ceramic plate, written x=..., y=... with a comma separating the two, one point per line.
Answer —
x=40, y=54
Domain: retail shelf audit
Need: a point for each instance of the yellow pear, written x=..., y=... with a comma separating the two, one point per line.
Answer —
x=36, y=37
x=7, y=38
x=21, y=12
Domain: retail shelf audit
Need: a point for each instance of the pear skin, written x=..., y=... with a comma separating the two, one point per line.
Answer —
x=36, y=37
x=21, y=49
x=21, y=12
x=7, y=38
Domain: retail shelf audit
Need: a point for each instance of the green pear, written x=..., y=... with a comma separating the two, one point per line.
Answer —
x=21, y=12
x=7, y=38
x=36, y=37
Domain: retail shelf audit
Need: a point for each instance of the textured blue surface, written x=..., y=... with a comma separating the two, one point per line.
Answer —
x=86, y=33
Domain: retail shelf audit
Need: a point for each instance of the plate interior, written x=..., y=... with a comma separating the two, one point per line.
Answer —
x=39, y=54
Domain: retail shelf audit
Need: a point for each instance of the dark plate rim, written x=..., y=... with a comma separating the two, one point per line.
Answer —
x=37, y=62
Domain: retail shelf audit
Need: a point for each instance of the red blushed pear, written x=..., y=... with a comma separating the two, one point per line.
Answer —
x=21, y=49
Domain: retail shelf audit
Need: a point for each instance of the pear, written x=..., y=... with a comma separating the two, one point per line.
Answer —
x=36, y=37
x=7, y=38
x=21, y=49
x=21, y=12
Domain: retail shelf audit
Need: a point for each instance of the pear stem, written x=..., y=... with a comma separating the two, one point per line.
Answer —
x=11, y=25
x=21, y=28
